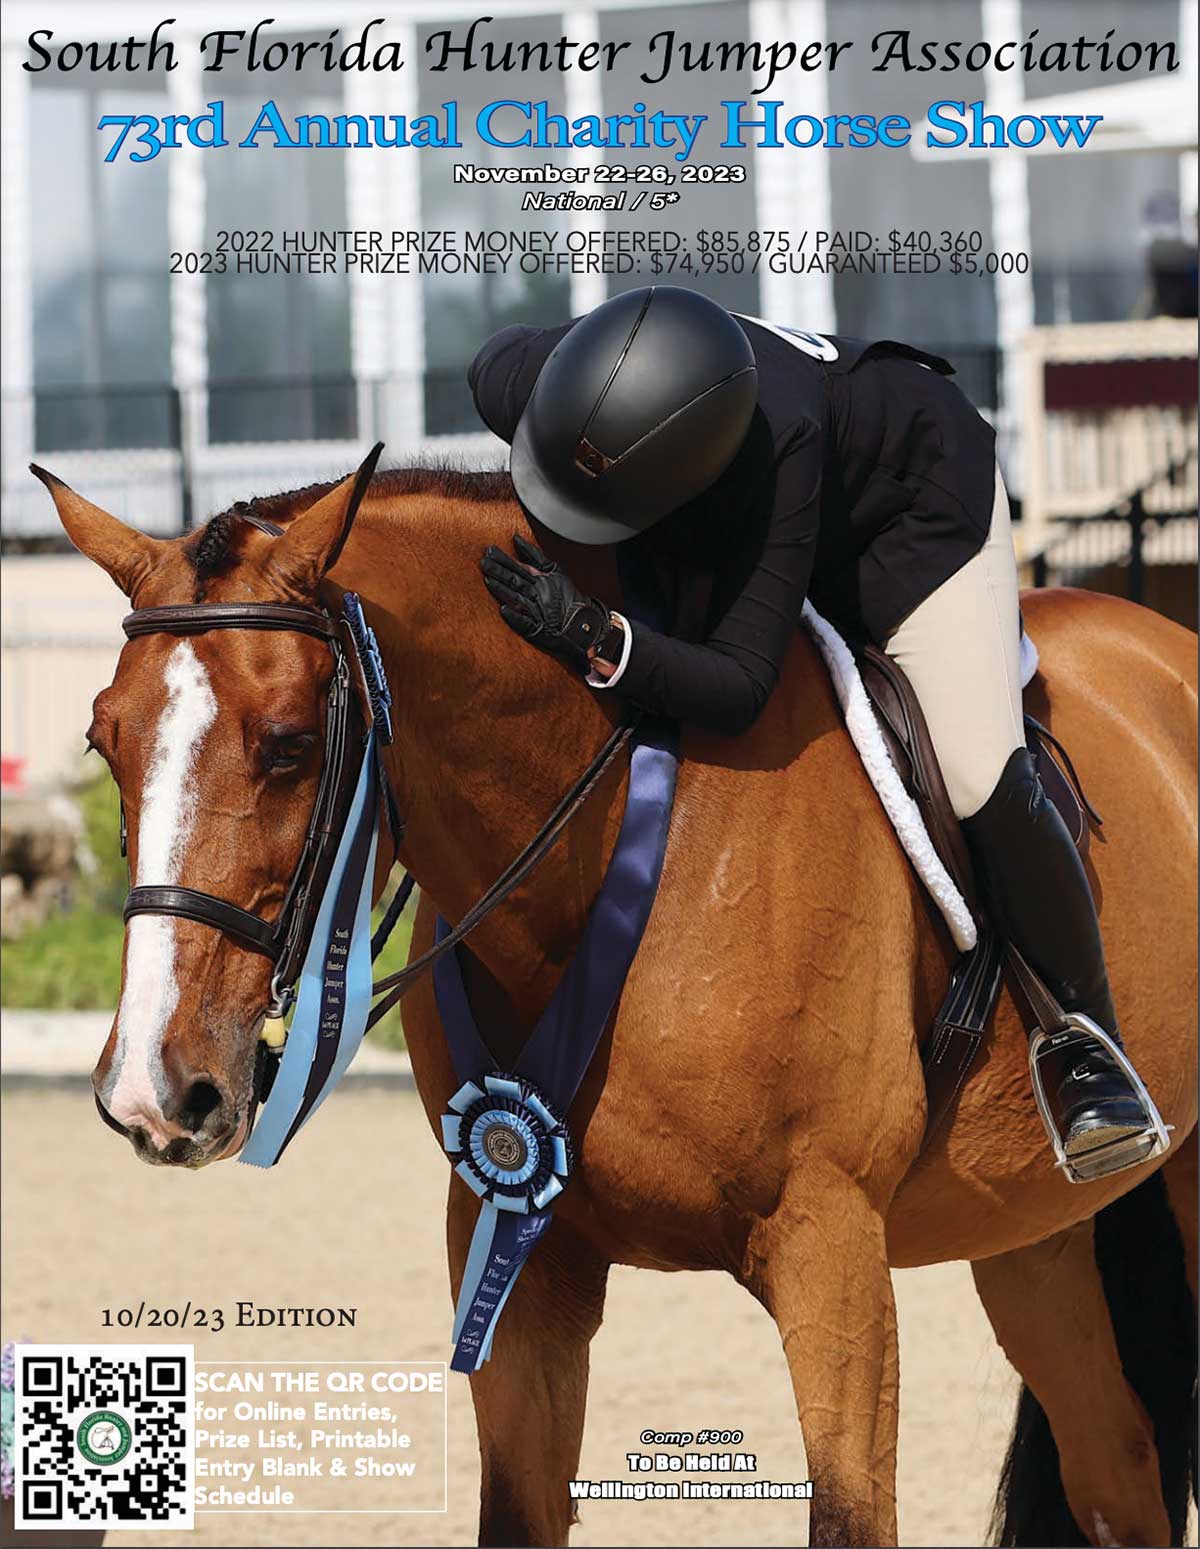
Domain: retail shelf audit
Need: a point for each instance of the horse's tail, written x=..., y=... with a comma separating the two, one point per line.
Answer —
x=1140, y=1257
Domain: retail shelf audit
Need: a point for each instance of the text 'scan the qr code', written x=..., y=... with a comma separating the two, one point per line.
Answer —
x=104, y=1436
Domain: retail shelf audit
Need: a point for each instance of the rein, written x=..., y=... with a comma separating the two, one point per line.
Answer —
x=395, y=985
x=286, y=939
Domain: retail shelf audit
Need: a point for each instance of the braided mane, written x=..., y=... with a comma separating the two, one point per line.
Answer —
x=215, y=548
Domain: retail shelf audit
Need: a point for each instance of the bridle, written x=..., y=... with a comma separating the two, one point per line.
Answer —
x=285, y=939
x=349, y=717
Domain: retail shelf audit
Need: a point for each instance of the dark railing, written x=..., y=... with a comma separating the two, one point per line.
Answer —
x=126, y=425
x=144, y=416
x=89, y=419
x=157, y=417
x=1083, y=549
x=304, y=409
x=319, y=407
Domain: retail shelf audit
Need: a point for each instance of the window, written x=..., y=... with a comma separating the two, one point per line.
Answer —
x=733, y=206
x=1089, y=213
x=101, y=298
x=279, y=360
x=462, y=310
x=880, y=190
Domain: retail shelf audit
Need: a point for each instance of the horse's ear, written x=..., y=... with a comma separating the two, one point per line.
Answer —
x=127, y=555
x=309, y=548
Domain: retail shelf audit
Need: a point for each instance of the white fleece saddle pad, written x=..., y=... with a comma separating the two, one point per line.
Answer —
x=897, y=803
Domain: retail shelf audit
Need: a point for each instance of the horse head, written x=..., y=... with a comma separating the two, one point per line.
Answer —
x=215, y=740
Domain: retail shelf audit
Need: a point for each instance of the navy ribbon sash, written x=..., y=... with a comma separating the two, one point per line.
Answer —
x=505, y=1131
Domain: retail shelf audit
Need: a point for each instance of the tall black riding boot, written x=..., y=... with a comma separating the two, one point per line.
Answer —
x=1039, y=895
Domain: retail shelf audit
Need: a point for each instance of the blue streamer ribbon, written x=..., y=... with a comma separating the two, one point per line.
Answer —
x=556, y=1057
x=335, y=983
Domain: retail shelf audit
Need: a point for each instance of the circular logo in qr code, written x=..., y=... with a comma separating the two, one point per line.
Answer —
x=104, y=1437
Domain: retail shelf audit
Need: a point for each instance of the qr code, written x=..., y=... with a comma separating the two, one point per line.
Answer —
x=104, y=1436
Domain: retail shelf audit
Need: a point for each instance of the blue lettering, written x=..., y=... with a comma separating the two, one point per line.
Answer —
x=735, y=124
x=269, y=121
x=1069, y=126
x=814, y=126
x=895, y=131
x=1036, y=131
x=483, y=123
x=939, y=120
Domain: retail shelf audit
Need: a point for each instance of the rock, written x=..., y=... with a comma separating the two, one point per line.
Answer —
x=22, y=908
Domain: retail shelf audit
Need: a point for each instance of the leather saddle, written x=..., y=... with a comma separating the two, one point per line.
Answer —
x=957, y=1032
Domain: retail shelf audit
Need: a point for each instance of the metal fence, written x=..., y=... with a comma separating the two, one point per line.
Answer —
x=165, y=458
x=1144, y=548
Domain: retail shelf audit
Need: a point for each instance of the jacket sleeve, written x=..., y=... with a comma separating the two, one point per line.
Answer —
x=502, y=375
x=723, y=684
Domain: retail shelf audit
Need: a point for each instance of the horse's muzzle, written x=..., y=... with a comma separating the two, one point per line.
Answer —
x=205, y=1127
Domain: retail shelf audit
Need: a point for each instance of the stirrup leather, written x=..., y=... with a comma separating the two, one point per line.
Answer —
x=1114, y=1155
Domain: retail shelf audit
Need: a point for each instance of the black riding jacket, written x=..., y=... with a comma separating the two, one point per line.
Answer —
x=865, y=481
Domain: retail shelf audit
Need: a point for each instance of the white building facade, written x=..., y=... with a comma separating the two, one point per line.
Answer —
x=167, y=393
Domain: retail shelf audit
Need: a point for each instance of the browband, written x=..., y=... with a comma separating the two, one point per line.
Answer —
x=192, y=618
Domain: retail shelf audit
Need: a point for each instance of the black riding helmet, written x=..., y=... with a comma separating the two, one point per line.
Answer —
x=640, y=408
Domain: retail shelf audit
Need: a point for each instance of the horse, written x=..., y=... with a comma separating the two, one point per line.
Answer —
x=757, y=1105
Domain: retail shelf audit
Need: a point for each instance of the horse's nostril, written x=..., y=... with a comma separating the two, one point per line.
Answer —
x=201, y=1099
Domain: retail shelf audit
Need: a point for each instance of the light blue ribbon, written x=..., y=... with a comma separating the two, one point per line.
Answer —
x=343, y=920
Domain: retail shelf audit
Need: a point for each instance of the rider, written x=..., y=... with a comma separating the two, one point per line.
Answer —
x=783, y=464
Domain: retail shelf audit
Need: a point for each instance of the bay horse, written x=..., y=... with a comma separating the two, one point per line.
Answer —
x=757, y=1105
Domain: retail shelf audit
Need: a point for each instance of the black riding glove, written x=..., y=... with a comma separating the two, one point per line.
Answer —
x=543, y=604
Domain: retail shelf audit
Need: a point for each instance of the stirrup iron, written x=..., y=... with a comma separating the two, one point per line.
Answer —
x=1113, y=1155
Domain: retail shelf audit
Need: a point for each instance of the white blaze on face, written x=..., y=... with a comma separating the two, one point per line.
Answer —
x=167, y=815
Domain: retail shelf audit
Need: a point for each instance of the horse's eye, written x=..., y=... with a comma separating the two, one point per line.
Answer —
x=286, y=752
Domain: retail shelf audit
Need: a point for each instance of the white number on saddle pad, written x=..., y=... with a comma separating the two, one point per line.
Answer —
x=813, y=344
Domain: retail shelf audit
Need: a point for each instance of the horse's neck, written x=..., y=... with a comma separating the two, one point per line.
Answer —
x=489, y=735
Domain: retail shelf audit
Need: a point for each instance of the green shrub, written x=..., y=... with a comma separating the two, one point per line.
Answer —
x=71, y=962
x=99, y=803
x=390, y=1031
